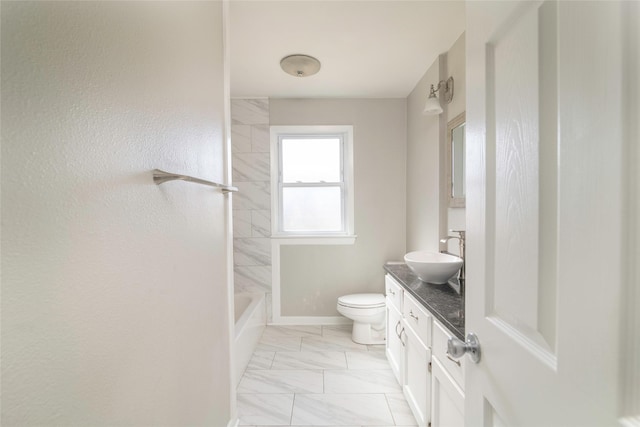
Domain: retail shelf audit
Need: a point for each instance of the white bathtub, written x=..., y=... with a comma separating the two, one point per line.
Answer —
x=251, y=318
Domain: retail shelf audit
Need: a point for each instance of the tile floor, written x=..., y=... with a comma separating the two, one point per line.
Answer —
x=317, y=376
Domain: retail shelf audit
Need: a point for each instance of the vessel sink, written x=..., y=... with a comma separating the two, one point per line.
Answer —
x=433, y=267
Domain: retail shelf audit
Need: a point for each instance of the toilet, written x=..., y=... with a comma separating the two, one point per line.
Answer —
x=368, y=314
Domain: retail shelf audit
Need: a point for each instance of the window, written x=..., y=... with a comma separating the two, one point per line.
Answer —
x=312, y=184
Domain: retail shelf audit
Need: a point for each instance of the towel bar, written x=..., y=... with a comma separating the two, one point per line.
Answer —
x=160, y=177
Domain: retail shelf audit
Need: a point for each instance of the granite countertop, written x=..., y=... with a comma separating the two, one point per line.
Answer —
x=441, y=300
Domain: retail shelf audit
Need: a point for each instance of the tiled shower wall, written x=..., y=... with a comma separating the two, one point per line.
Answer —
x=252, y=204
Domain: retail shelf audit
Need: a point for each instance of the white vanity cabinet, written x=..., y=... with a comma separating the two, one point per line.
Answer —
x=447, y=382
x=417, y=357
x=432, y=382
x=394, y=343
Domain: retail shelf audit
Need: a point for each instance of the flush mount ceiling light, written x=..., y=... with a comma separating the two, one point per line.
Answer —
x=300, y=65
x=432, y=106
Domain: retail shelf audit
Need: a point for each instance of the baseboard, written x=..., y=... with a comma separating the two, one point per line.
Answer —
x=310, y=320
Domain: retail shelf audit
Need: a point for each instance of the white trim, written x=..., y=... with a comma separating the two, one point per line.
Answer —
x=315, y=240
x=311, y=320
x=228, y=221
x=348, y=176
x=234, y=422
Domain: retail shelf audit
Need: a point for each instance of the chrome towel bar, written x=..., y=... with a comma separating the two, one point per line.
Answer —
x=160, y=177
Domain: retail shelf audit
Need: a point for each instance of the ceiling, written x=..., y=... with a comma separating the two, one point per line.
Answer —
x=368, y=49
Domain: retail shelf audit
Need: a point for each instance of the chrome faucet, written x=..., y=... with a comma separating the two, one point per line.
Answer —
x=461, y=275
x=461, y=239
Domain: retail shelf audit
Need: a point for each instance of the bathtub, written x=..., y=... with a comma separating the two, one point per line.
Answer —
x=251, y=318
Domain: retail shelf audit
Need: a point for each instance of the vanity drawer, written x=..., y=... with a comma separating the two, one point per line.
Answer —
x=417, y=318
x=394, y=292
x=455, y=367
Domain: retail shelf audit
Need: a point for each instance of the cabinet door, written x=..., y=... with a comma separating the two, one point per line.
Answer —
x=417, y=385
x=394, y=345
x=447, y=398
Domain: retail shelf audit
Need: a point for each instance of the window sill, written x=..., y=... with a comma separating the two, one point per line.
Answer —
x=315, y=239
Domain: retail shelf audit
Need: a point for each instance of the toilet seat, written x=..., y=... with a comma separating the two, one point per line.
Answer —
x=362, y=301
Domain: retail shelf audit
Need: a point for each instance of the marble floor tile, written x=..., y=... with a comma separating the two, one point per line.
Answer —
x=337, y=330
x=400, y=410
x=281, y=381
x=340, y=409
x=261, y=360
x=367, y=360
x=310, y=360
x=292, y=331
x=270, y=343
x=376, y=347
x=331, y=343
x=265, y=409
x=360, y=381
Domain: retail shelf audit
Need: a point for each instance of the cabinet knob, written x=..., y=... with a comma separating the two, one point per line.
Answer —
x=457, y=348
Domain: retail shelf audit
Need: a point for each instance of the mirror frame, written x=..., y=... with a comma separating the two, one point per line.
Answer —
x=454, y=202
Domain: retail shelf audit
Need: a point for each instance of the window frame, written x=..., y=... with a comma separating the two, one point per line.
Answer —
x=345, y=133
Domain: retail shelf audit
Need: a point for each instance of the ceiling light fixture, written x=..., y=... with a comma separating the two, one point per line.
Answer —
x=432, y=106
x=300, y=65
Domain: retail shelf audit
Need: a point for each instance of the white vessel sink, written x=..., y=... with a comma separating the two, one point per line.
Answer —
x=433, y=267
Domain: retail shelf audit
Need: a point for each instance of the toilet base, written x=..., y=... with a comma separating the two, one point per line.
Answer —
x=364, y=333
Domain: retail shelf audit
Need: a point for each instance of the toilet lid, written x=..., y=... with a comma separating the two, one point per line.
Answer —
x=362, y=300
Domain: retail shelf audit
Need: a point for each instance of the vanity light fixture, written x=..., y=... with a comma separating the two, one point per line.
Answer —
x=300, y=65
x=432, y=106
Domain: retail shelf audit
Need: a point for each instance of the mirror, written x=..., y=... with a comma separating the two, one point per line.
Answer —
x=456, y=162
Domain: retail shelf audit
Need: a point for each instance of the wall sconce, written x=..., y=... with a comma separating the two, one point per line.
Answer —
x=432, y=106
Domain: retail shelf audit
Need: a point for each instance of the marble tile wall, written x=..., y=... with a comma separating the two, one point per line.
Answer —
x=252, y=204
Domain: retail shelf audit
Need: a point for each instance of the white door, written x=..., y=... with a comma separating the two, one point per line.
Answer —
x=545, y=211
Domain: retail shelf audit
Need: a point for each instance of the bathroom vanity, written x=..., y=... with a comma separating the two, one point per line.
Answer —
x=421, y=317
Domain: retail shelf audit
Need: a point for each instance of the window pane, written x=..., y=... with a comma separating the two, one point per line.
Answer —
x=311, y=160
x=311, y=209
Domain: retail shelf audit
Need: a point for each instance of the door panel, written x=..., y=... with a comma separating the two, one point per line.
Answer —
x=544, y=204
x=513, y=171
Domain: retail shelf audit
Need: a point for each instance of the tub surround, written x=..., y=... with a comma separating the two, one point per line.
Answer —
x=441, y=300
x=250, y=321
x=252, y=204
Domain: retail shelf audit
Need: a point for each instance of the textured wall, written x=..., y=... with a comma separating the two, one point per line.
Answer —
x=252, y=205
x=114, y=295
x=313, y=277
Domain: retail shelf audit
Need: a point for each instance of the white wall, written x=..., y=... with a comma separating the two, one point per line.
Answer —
x=423, y=167
x=313, y=277
x=428, y=216
x=114, y=294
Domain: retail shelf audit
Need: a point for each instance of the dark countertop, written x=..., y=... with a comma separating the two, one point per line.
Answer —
x=441, y=300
